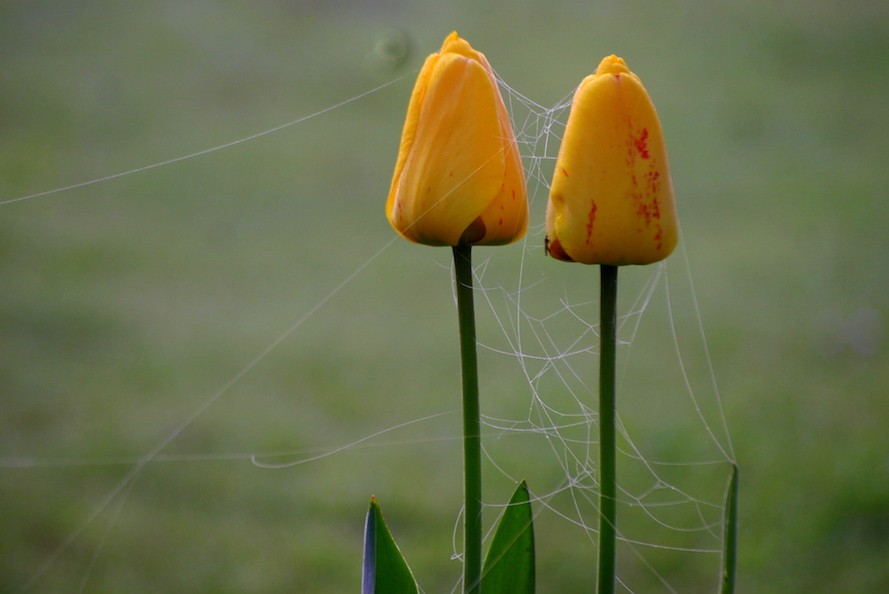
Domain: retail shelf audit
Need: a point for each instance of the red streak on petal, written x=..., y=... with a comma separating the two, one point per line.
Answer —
x=564, y=172
x=641, y=144
x=591, y=218
x=643, y=212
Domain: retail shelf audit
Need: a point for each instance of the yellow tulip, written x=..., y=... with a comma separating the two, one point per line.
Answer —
x=458, y=178
x=611, y=199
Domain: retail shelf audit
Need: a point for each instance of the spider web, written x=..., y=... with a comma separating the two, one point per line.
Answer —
x=674, y=446
x=538, y=332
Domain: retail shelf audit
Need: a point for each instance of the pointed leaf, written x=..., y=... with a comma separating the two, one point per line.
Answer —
x=509, y=565
x=385, y=570
x=730, y=537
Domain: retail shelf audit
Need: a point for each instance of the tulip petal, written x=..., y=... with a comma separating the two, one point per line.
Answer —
x=410, y=124
x=456, y=159
x=506, y=217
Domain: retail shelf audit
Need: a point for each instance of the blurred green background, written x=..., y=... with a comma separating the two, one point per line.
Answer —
x=128, y=308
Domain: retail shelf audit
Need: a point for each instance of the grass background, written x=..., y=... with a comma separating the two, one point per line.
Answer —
x=126, y=306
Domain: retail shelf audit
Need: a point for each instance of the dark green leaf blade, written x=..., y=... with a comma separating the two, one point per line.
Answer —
x=730, y=537
x=509, y=565
x=385, y=570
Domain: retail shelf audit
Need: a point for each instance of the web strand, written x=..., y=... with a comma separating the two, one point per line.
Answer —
x=206, y=151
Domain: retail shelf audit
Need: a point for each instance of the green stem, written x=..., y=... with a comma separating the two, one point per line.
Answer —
x=472, y=451
x=607, y=461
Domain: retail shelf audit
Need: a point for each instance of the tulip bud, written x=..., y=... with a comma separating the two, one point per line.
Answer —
x=458, y=178
x=611, y=199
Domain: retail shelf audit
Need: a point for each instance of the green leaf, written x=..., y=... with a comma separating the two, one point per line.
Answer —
x=509, y=565
x=385, y=570
x=730, y=537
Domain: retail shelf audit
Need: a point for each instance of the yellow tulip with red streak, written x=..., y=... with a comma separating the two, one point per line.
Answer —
x=611, y=200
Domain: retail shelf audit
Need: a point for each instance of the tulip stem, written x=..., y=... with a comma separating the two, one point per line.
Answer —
x=607, y=461
x=472, y=452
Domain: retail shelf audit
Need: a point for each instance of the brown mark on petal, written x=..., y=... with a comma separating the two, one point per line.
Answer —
x=474, y=233
x=553, y=248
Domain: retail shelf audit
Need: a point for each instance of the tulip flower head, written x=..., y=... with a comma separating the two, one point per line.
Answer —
x=611, y=199
x=458, y=179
